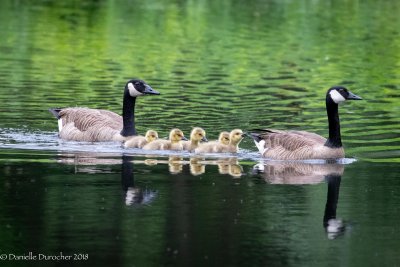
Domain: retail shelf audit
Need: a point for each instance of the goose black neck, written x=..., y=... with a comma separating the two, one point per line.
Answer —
x=334, y=140
x=128, y=115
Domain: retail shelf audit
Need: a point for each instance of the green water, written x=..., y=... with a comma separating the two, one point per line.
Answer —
x=218, y=65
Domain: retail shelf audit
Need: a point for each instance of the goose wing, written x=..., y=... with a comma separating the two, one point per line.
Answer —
x=84, y=124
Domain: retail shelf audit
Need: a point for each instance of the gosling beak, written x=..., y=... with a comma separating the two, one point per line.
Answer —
x=204, y=139
x=150, y=91
x=352, y=96
x=184, y=139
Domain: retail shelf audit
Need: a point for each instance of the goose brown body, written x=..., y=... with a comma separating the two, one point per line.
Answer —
x=292, y=145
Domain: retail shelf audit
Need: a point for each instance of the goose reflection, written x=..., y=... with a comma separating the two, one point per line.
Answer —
x=296, y=172
x=133, y=195
x=93, y=164
x=333, y=226
x=300, y=173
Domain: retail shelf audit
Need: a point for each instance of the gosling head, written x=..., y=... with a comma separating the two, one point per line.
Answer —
x=339, y=94
x=224, y=138
x=137, y=87
x=236, y=136
x=176, y=135
x=151, y=135
x=198, y=134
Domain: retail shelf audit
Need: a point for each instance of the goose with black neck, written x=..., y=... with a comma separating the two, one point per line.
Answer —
x=301, y=145
x=96, y=125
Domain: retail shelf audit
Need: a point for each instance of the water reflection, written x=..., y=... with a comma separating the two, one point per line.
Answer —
x=300, y=173
x=134, y=195
x=197, y=165
x=87, y=163
x=294, y=172
x=333, y=226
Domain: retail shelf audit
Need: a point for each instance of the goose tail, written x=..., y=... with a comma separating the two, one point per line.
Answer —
x=55, y=112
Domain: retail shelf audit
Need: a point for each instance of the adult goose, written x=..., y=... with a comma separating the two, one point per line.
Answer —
x=300, y=145
x=94, y=125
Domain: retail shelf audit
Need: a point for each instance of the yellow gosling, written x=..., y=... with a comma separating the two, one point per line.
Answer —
x=175, y=136
x=196, y=136
x=140, y=141
x=235, y=137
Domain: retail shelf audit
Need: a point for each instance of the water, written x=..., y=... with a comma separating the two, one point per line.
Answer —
x=219, y=65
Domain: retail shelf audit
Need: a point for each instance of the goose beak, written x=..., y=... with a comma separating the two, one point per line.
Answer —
x=184, y=139
x=150, y=91
x=204, y=139
x=352, y=96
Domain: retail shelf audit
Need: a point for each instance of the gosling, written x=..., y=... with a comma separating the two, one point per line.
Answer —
x=196, y=136
x=140, y=141
x=235, y=137
x=175, y=136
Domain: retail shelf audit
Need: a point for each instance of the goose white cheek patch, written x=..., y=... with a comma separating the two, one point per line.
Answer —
x=132, y=90
x=337, y=97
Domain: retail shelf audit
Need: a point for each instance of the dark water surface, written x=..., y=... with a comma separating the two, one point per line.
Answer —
x=219, y=65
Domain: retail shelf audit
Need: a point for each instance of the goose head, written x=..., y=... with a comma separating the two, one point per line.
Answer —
x=137, y=87
x=236, y=136
x=339, y=94
x=176, y=135
x=151, y=135
x=198, y=134
x=224, y=138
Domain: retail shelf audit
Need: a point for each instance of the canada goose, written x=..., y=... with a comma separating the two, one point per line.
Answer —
x=175, y=136
x=197, y=135
x=139, y=141
x=299, y=145
x=93, y=125
x=235, y=137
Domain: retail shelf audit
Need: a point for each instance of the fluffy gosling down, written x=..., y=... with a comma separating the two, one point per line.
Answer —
x=235, y=137
x=300, y=145
x=173, y=143
x=140, y=141
x=196, y=136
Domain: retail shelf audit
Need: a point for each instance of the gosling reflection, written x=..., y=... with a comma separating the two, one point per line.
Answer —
x=280, y=172
x=198, y=165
